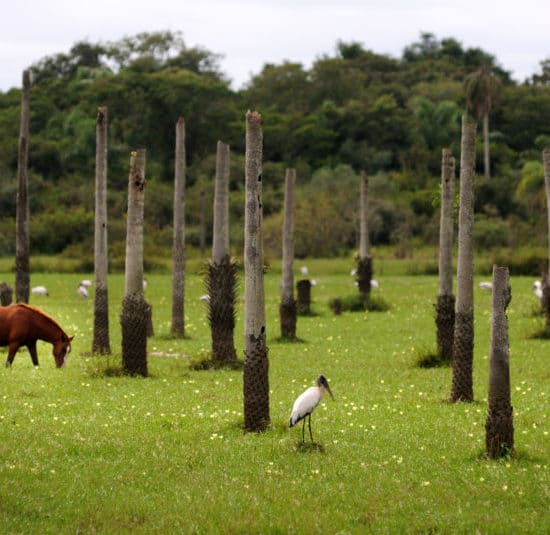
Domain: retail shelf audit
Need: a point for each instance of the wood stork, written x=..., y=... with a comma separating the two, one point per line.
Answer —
x=82, y=291
x=85, y=282
x=304, y=271
x=486, y=285
x=537, y=289
x=306, y=402
x=39, y=290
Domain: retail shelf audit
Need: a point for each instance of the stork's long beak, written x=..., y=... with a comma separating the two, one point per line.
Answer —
x=330, y=391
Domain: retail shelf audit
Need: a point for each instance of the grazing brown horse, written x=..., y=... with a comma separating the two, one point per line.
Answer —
x=23, y=325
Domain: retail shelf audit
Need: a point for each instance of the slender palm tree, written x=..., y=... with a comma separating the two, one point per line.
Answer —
x=499, y=428
x=22, y=262
x=255, y=373
x=481, y=87
x=287, y=309
x=546, y=277
x=221, y=276
x=100, y=342
x=178, y=248
x=134, y=308
x=445, y=308
x=463, y=342
x=364, y=260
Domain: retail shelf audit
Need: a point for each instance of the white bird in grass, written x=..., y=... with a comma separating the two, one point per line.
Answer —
x=82, y=292
x=40, y=290
x=304, y=270
x=537, y=289
x=86, y=283
x=205, y=298
x=306, y=402
x=486, y=285
x=374, y=284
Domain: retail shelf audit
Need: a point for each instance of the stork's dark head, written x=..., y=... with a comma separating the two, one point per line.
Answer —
x=323, y=383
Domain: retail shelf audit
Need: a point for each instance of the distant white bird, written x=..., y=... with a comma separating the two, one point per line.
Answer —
x=537, y=290
x=144, y=283
x=353, y=272
x=205, y=298
x=486, y=285
x=374, y=284
x=303, y=270
x=313, y=282
x=40, y=290
x=306, y=402
x=82, y=291
x=86, y=283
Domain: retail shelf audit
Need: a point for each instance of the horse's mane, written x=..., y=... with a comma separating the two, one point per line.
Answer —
x=43, y=314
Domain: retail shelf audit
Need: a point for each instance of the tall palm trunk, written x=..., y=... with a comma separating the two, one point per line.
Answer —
x=22, y=262
x=287, y=309
x=221, y=277
x=364, y=261
x=178, y=248
x=445, y=308
x=499, y=428
x=134, y=307
x=546, y=278
x=255, y=374
x=486, y=147
x=100, y=342
x=463, y=343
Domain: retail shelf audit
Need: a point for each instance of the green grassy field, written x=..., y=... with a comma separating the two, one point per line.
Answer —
x=81, y=452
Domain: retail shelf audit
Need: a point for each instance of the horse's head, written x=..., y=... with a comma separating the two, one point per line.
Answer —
x=61, y=349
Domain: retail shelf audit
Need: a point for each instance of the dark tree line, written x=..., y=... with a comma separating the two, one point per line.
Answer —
x=352, y=111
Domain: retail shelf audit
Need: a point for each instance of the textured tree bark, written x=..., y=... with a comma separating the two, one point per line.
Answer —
x=255, y=374
x=101, y=342
x=178, y=243
x=303, y=304
x=22, y=262
x=463, y=343
x=221, y=278
x=6, y=294
x=486, y=147
x=445, y=308
x=288, y=309
x=546, y=278
x=364, y=262
x=134, y=307
x=499, y=428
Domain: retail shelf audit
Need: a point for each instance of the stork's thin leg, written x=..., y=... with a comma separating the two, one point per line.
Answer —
x=303, y=430
x=309, y=425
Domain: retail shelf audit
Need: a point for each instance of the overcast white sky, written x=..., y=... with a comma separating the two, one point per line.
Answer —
x=250, y=33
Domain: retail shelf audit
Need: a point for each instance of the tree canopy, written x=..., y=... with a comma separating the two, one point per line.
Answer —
x=354, y=109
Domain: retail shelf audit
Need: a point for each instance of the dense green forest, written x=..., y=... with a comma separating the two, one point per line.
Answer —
x=353, y=111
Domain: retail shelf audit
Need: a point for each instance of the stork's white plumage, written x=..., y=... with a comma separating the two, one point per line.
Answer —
x=304, y=270
x=306, y=402
x=87, y=283
x=537, y=289
x=486, y=285
x=39, y=290
x=374, y=284
x=82, y=291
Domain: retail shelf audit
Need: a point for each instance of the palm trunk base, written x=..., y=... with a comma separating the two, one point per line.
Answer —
x=445, y=323
x=288, y=314
x=303, y=291
x=364, y=275
x=6, y=294
x=221, y=284
x=101, y=343
x=499, y=431
x=463, y=353
x=134, y=335
x=256, y=384
x=545, y=302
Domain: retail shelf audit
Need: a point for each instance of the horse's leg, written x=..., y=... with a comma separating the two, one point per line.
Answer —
x=32, y=351
x=12, y=350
